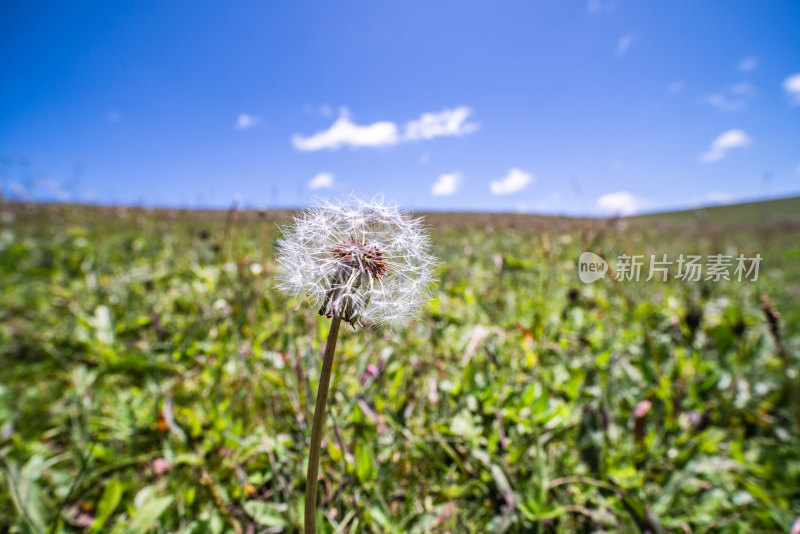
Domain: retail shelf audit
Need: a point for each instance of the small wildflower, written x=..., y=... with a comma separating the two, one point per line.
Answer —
x=363, y=261
x=161, y=466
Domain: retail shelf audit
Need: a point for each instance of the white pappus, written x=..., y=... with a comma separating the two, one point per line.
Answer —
x=363, y=261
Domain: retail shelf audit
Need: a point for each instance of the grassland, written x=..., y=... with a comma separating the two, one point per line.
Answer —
x=153, y=380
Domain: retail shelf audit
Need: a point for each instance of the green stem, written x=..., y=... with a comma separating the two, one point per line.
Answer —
x=316, y=428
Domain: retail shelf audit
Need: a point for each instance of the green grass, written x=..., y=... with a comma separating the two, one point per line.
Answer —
x=153, y=380
x=782, y=210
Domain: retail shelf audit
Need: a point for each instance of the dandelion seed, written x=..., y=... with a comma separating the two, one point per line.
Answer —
x=364, y=261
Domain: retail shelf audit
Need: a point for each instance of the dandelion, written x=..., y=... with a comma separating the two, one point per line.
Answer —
x=364, y=262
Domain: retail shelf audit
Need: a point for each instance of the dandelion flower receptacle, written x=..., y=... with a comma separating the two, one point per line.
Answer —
x=364, y=262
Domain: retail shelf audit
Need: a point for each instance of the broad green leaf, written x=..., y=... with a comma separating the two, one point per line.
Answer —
x=112, y=493
x=265, y=514
x=146, y=517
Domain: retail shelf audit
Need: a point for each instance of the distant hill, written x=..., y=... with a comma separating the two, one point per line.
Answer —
x=783, y=212
x=749, y=213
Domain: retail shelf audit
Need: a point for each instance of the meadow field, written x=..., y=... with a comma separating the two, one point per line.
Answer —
x=152, y=379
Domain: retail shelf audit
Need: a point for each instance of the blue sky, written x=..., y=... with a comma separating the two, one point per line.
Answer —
x=573, y=107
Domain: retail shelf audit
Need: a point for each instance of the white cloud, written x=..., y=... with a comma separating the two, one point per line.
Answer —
x=449, y=122
x=719, y=197
x=722, y=102
x=723, y=143
x=325, y=110
x=743, y=88
x=619, y=203
x=599, y=6
x=747, y=64
x=19, y=191
x=245, y=121
x=345, y=132
x=321, y=180
x=89, y=195
x=792, y=86
x=550, y=204
x=735, y=98
x=711, y=198
x=447, y=184
x=55, y=188
x=512, y=182
x=624, y=43
x=675, y=88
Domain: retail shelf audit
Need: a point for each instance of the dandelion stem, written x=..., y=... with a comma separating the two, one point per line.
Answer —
x=316, y=428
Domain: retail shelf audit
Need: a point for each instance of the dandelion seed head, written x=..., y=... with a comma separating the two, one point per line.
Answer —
x=364, y=261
